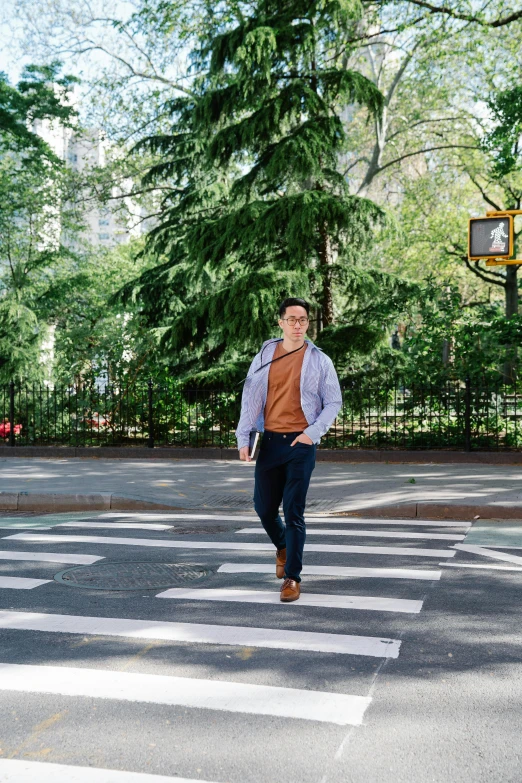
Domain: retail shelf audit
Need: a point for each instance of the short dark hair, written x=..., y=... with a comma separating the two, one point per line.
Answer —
x=292, y=301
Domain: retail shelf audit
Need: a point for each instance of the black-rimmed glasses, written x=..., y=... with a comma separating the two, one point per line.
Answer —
x=293, y=320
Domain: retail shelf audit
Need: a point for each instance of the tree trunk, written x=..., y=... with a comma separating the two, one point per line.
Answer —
x=325, y=263
x=511, y=289
x=445, y=352
x=319, y=322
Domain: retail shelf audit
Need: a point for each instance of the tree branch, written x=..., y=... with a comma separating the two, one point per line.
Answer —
x=444, y=9
x=460, y=254
x=481, y=273
x=483, y=193
x=400, y=73
x=477, y=303
x=423, y=122
x=367, y=37
x=422, y=152
x=134, y=72
x=363, y=159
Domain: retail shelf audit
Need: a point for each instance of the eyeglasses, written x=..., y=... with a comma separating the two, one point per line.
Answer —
x=292, y=320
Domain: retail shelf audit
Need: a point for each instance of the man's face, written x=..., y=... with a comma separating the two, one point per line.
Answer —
x=293, y=329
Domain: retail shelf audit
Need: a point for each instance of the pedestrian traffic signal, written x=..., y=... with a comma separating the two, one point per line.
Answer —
x=490, y=237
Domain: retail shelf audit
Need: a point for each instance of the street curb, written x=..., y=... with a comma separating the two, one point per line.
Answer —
x=217, y=453
x=61, y=502
x=58, y=502
x=436, y=511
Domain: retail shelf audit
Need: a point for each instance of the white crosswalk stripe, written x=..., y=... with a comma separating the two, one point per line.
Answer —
x=196, y=633
x=311, y=519
x=115, y=525
x=49, y=557
x=364, y=534
x=190, y=692
x=372, y=603
x=248, y=545
x=355, y=571
x=19, y=771
x=157, y=516
x=382, y=521
x=484, y=567
x=20, y=583
x=491, y=553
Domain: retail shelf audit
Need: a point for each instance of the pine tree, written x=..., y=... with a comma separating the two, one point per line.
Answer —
x=257, y=208
x=41, y=94
x=33, y=213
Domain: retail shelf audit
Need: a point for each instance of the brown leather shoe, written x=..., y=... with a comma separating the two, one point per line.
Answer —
x=290, y=590
x=280, y=563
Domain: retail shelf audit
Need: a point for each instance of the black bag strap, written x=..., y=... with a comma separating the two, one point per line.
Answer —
x=272, y=360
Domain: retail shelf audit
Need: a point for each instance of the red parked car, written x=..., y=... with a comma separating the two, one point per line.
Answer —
x=5, y=429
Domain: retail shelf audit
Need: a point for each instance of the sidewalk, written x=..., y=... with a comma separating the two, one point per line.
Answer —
x=436, y=491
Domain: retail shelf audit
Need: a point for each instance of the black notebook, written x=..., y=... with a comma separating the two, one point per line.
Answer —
x=253, y=443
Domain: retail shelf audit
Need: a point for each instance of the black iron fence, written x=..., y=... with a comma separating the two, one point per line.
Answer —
x=456, y=415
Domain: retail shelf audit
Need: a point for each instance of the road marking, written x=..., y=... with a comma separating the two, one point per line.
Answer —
x=16, y=771
x=502, y=546
x=49, y=557
x=363, y=533
x=158, y=515
x=488, y=567
x=311, y=519
x=115, y=525
x=479, y=550
x=375, y=573
x=21, y=583
x=202, y=634
x=295, y=703
x=396, y=522
x=37, y=732
x=247, y=545
x=370, y=603
x=144, y=650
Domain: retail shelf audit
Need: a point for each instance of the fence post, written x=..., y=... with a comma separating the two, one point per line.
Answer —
x=11, y=414
x=467, y=416
x=150, y=442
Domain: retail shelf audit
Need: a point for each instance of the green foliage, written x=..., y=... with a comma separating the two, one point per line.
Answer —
x=41, y=94
x=504, y=141
x=479, y=340
x=256, y=162
x=258, y=208
x=30, y=248
x=20, y=341
x=33, y=216
x=95, y=338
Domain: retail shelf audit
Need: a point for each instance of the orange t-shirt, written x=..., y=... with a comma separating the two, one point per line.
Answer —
x=283, y=412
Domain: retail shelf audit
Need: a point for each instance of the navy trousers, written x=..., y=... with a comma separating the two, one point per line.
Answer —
x=283, y=473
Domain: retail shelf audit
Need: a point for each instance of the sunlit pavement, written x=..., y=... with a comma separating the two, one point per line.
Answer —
x=215, y=484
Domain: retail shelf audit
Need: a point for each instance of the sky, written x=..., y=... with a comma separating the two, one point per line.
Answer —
x=10, y=61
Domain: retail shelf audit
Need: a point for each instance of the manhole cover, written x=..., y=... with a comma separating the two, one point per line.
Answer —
x=131, y=575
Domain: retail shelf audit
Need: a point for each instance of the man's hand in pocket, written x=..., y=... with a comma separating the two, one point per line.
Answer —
x=302, y=438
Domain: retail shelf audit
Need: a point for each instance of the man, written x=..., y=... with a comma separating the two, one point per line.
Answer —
x=293, y=394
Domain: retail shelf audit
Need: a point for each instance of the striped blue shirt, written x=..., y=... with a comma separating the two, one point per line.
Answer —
x=321, y=398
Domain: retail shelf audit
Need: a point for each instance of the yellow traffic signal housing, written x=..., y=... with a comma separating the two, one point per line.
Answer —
x=491, y=237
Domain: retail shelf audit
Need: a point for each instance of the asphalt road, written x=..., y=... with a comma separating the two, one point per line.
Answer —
x=425, y=685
